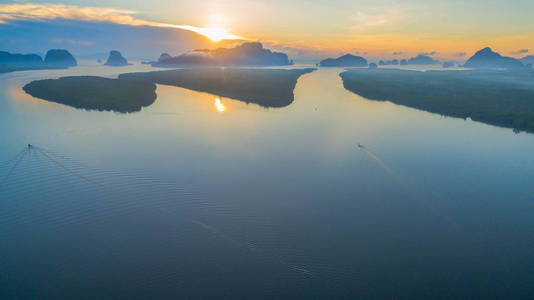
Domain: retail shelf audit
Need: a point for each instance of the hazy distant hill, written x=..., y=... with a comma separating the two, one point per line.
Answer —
x=347, y=60
x=423, y=60
x=486, y=58
x=247, y=54
x=528, y=60
x=393, y=62
x=20, y=60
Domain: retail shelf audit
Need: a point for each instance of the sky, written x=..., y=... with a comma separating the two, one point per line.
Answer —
x=449, y=29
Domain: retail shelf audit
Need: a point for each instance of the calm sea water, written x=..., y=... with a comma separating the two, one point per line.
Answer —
x=198, y=198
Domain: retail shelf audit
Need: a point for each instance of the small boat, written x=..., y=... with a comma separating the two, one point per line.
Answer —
x=361, y=146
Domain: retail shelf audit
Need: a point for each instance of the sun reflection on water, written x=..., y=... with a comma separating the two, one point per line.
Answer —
x=219, y=105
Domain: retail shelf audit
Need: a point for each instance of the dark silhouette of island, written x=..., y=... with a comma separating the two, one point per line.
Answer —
x=265, y=87
x=246, y=54
x=487, y=59
x=95, y=93
x=394, y=62
x=528, y=60
x=163, y=57
x=403, y=62
x=448, y=64
x=498, y=97
x=115, y=59
x=373, y=66
x=21, y=62
x=60, y=58
x=347, y=60
x=422, y=60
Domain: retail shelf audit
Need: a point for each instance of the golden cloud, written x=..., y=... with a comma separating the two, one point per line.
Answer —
x=30, y=11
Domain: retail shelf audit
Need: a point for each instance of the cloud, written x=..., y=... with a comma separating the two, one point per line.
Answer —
x=518, y=52
x=87, y=37
x=397, y=53
x=460, y=54
x=429, y=53
x=10, y=12
x=32, y=12
x=363, y=20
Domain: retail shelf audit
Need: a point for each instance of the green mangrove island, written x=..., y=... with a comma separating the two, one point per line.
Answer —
x=265, y=87
x=498, y=97
x=95, y=93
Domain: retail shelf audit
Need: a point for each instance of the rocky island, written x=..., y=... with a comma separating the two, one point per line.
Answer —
x=265, y=87
x=247, y=54
x=422, y=60
x=497, y=97
x=95, y=93
x=528, y=60
x=20, y=60
x=10, y=62
x=60, y=58
x=344, y=61
x=487, y=59
x=116, y=59
x=394, y=62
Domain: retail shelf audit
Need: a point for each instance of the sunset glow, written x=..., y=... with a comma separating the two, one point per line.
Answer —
x=377, y=29
x=219, y=106
x=214, y=34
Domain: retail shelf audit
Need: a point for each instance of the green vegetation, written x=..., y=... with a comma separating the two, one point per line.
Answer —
x=266, y=87
x=95, y=93
x=502, y=98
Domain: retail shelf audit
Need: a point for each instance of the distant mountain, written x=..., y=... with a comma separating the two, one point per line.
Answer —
x=163, y=57
x=115, y=59
x=188, y=59
x=60, y=58
x=403, y=62
x=389, y=62
x=246, y=54
x=528, y=60
x=55, y=59
x=20, y=60
x=250, y=54
x=423, y=60
x=347, y=60
x=486, y=58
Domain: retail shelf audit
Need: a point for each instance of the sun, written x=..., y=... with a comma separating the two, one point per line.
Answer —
x=219, y=105
x=214, y=34
x=217, y=34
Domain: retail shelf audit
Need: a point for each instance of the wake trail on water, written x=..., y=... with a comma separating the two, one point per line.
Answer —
x=253, y=248
x=405, y=186
x=378, y=160
x=18, y=158
x=136, y=190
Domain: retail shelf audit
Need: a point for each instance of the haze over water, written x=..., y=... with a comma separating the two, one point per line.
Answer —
x=240, y=201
